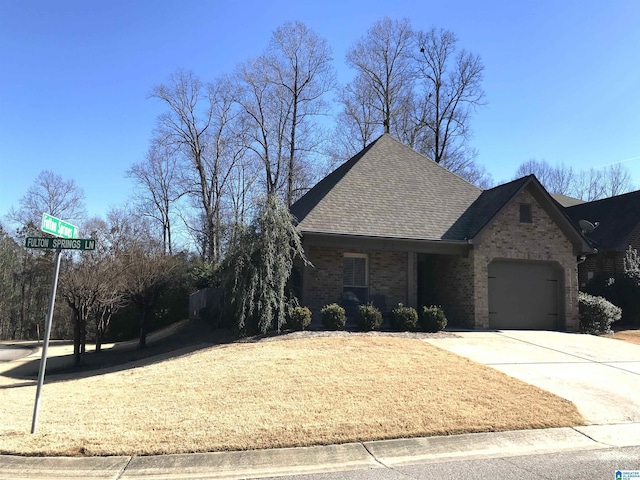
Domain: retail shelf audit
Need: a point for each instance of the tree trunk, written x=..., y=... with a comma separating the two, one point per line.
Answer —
x=77, y=351
x=99, y=334
x=143, y=327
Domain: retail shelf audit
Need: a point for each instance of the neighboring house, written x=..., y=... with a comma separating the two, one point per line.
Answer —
x=391, y=226
x=565, y=200
x=618, y=226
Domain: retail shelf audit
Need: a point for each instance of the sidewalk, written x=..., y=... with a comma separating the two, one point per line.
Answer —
x=295, y=461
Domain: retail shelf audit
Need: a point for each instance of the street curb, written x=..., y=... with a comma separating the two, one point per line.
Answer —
x=329, y=458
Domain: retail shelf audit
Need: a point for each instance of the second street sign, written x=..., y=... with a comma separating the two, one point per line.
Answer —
x=57, y=227
x=64, y=243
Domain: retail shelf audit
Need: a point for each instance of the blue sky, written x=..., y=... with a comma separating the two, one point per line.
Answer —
x=562, y=78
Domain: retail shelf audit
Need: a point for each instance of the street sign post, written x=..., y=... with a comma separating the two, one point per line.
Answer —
x=45, y=345
x=67, y=239
x=57, y=227
x=63, y=243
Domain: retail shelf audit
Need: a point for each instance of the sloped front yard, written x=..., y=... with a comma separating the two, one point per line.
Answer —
x=294, y=392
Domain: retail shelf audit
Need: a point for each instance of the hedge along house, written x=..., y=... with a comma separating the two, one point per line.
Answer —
x=391, y=226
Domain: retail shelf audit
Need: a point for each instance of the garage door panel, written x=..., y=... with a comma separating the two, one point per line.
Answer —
x=523, y=295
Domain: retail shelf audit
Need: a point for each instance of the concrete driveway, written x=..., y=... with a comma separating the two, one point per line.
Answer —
x=601, y=376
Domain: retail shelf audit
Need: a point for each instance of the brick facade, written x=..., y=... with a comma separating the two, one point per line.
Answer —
x=388, y=276
x=447, y=281
x=541, y=240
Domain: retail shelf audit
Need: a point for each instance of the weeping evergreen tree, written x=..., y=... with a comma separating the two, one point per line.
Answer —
x=258, y=266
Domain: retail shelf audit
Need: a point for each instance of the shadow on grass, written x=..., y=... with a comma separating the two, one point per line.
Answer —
x=181, y=339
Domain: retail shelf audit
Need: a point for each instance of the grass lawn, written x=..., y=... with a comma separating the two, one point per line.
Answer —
x=281, y=393
x=631, y=336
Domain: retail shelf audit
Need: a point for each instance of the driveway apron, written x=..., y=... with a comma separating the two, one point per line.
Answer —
x=601, y=376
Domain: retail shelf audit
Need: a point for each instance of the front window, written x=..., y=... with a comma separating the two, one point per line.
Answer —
x=355, y=276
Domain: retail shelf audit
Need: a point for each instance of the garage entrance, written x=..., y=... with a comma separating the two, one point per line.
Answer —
x=524, y=295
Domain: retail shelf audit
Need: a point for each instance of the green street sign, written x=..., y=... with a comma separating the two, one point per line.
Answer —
x=63, y=243
x=58, y=227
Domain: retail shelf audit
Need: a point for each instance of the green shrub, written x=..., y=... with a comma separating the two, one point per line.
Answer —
x=333, y=317
x=432, y=319
x=596, y=314
x=404, y=319
x=369, y=317
x=299, y=318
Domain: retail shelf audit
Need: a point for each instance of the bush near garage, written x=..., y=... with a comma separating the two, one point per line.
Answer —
x=404, y=319
x=333, y=317
x=369, y=317
x=432, y=319
x=596, y=314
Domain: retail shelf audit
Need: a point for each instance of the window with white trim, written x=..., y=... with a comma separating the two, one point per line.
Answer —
x=355, y=278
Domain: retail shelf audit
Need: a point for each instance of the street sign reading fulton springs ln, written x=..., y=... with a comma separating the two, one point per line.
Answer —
x=64, y=243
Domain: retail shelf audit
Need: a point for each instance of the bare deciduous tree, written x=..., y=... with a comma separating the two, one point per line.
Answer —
x=51, y=194
x=160, y=187
x=301, y=66
x=382, y=59
x=358, y=123
x=558, y=179
x=587, y=185
x=283, y=91
x=198, y=124
x=418, y=87
x=451, y=89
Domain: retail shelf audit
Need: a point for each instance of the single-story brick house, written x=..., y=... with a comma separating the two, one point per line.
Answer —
x=391, y=226
x=618, y=227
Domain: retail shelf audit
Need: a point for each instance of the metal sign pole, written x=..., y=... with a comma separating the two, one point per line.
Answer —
x=47, y=334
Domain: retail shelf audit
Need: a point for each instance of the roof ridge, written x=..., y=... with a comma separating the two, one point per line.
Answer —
x=611, y=198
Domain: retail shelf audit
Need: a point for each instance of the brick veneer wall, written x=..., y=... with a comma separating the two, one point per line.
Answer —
x=507, y=238
x=447, y=280
x=388, y=276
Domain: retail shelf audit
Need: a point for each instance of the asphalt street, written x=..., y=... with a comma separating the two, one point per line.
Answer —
x=9, y=353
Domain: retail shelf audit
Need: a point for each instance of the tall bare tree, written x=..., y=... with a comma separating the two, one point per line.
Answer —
x=197, y=125
x=51, y=194
x=283, y=91
x=160, y=187
x=450, y=84
x=301, y=66
x=357, y=121
x=382, y=59
x=418, y=87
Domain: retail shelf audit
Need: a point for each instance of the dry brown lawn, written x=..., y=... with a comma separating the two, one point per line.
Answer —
x=631, y=336
x=299, y=392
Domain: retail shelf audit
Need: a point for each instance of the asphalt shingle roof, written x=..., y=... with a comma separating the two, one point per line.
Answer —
x=388, y=190
x=617, y=217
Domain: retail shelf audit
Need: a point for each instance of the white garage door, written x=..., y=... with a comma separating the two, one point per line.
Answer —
x=523, y=295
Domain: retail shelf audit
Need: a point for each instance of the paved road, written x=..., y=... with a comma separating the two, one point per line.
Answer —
x=601, y=376
x=9, y=353
x=581, y=465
